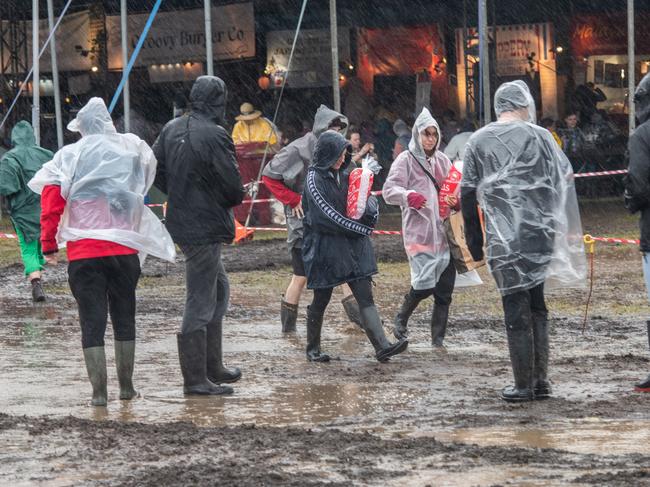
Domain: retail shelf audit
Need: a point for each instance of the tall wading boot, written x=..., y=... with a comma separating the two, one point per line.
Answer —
x=439, y=319
x=375, y=333
x=351, y=308
x=520, y=343
x=314, y=326
x=288, y=316
x=402, y=317
x=124, y=361
x=95, y=359
x=217, y=373
x=542, y=387
x=644, y=386
x=192, y=356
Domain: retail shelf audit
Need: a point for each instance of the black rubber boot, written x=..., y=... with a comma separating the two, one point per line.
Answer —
x=520, y=343
x=288, y=316
x=402, y=317
x=192, y=356
x=351, y=308
x=95, y=359
x=217, y=373
x=124, y=361
x=38, y=295
x=375, y=333
x=314, y=326
x=542, y=387
x=439, y=319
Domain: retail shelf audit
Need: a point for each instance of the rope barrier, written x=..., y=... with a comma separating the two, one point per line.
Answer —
x=601, y=173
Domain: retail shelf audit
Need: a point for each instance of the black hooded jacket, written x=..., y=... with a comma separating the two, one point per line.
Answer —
x=197, y=169
x=637, y=187
x=335, y=249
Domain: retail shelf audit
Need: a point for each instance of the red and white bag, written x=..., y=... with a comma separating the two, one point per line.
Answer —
x=359, y=186
x=451, y=187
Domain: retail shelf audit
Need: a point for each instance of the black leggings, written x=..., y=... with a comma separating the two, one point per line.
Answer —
x=361, y=289
x=101, y=286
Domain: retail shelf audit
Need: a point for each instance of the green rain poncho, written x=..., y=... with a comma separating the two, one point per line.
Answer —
x=17, y=167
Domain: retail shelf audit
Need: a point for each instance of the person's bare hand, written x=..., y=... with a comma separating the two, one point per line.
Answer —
x=297, y=210
x=366, y=148
x=451, y=200
x=51, y=259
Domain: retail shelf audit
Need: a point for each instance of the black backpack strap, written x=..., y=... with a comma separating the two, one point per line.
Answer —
x=427, y=172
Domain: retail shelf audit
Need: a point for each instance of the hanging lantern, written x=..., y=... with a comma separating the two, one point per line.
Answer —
x=264, y=82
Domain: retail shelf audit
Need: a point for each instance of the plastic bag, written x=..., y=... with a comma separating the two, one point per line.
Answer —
x=359, y=186
x=451, y=187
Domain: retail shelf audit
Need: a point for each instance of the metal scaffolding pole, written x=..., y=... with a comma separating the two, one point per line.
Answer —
x=630, y=64
x=335, y=56
x=36, y=79
x=125, y=62
x=484, y=56
x=208, y=37
x=55, y=77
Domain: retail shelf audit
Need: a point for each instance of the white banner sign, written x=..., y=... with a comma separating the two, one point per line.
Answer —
x=311, y=65
x=73, y=31
x=179, y=37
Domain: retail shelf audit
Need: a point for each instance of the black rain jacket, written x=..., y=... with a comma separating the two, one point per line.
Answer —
x=335, y=248
x=197, y=169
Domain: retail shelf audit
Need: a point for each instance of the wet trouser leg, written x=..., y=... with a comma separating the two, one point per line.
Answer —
x=644, y=386
x=518, y=320
x=442, y=295
x=203, y=303
x=539, y=313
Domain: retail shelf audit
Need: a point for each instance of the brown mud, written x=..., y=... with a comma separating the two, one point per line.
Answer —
x=425, y=418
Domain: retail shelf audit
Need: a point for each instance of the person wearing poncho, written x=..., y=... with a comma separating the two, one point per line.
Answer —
x=524, y=185
x=410, y=184
x=17, y=167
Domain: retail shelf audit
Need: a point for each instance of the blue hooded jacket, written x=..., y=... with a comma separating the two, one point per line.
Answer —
x=335, y=249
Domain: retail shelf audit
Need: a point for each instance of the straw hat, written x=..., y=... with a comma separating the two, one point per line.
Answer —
x=248, y=112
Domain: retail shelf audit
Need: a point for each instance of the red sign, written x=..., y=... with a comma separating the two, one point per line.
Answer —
x=403, y=51
x=593, y=35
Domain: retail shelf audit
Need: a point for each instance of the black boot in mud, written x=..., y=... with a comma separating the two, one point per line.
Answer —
x=519, y=326
x=314, y=326
x=439, y=320
x=643, y=386
x=288, y=316
x=402, y=317
x=351, y=308
x=192, y=357
x=216, y=371
x=124, y=360
x=542, y=387
x=38, y=295
x=95, y=359
x=384, y=350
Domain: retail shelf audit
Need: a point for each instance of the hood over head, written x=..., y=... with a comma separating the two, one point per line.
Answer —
x=208, y=97
x=642, y=99
x=329, y=147
x=512, y=96
x=323, y=119
x=23, y=134
x=93, y=119
x=400, y=128
x=424, y=120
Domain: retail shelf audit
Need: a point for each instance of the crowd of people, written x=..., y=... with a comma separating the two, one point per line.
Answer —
x=517, y=199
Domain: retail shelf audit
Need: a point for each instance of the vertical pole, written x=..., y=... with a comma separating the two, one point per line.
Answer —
x=484, y=55
x=36, y=77
x=125, y=62
x=334, y=35
x=207, y=7
x=55, y=77
x=630, y=64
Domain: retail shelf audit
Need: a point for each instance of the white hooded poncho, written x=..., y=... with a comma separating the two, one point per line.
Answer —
x=104, y=178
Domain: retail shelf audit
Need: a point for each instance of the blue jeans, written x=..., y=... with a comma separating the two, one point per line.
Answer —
x=646, y=272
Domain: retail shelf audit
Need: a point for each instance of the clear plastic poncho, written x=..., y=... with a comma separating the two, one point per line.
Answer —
x=525, y=188
x=104, y=178
x=423, y=232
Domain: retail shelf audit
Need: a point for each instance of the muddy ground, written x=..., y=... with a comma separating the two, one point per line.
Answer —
x=425, y=418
